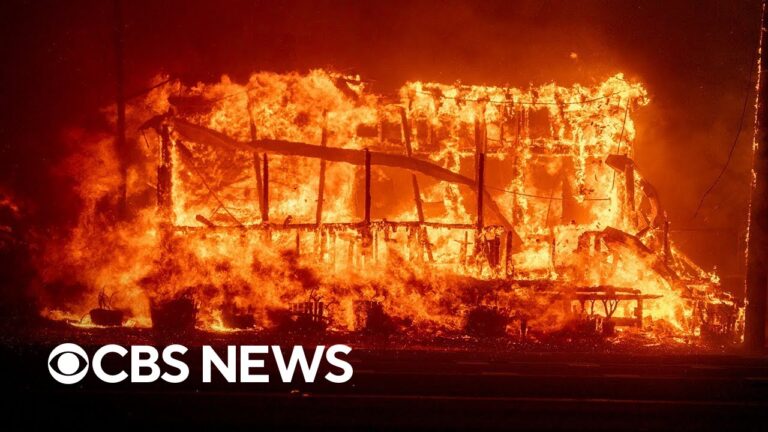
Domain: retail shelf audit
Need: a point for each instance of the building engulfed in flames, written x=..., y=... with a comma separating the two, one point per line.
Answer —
x=304, y=198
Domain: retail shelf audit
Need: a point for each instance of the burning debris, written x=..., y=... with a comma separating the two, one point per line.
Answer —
x=104, y=315
x=307, y=203
x=177, y=315
x=487, y=321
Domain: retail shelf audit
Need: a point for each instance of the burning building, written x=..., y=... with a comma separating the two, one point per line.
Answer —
x=308, y=201
x=500, y=215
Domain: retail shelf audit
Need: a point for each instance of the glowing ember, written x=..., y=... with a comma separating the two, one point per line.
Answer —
x=569, y=234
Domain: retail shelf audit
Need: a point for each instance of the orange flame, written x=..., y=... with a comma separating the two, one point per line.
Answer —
x=569, y=212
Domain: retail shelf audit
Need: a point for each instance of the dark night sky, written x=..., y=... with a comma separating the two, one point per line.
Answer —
x=693, y=56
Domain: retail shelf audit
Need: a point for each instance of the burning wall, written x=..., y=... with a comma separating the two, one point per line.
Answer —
x=427, y=205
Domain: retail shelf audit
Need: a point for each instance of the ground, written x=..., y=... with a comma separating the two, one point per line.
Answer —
x=458, y=384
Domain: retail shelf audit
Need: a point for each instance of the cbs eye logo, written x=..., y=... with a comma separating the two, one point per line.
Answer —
x=68, y=363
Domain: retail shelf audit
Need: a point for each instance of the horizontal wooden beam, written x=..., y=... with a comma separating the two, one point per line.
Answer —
x=204, y=135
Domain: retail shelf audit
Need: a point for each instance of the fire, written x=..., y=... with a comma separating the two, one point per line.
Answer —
x=431, y=209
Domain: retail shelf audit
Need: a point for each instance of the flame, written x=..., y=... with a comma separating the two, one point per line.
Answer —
x=560, y=214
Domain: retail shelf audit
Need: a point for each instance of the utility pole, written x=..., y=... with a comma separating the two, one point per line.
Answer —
x=757, y=225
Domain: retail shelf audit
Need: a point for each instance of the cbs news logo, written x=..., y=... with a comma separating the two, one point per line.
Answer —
x=68, y=363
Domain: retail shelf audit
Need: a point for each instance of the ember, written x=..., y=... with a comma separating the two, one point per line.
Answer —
x=306, y=202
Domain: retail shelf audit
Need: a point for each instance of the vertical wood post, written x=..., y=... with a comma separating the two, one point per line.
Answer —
x=366, y=233
x=508, y=252
x=367, y=214
x=256, y=160
x=259, y=183
x=265, y=199
x=321, y=183
x=164, y=176
x=480, y=189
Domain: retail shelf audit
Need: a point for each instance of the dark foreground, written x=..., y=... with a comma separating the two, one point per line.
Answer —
x=426, y=389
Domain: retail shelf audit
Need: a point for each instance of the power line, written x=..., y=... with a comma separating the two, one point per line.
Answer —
x=735, y=139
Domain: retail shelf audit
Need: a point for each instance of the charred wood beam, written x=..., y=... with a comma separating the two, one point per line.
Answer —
x=265, y=192
x=606, y=289
x=256, y=160
x=164, y=185
x=508, y=254
x=259, y=182
x=367, y=212
x=208, y=136
x=480, y=188
x=366, y=234
x=609, y=306
x=205, y=221
x=321, y=183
